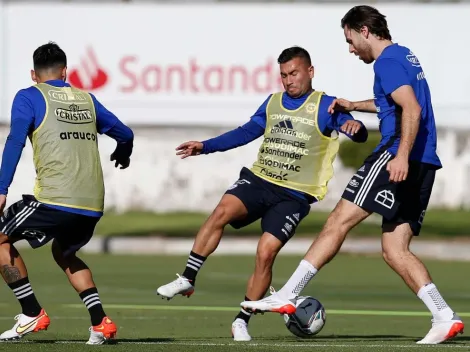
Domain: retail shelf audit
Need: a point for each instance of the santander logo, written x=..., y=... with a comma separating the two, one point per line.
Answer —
x=136, y=74
x=89, y=75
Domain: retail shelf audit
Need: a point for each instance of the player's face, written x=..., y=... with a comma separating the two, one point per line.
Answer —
x=358, y=44
x=296, y=76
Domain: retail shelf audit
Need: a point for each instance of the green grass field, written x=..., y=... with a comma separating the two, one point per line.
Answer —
x=438, y=223
x=368, y=307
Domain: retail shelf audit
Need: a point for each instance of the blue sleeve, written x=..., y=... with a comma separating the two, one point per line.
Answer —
x=260, y=115
x=22, y=123
x=234, y=138
x=107, y=123
x=241, y=135
x=329, y=123
x=392, y=75
x=120, y=133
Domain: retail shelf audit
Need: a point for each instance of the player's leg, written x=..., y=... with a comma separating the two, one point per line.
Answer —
x=207, y=240
x=396, y=252
x=13, y=270
x=15, y=275
x=81, y=278
x=357, y=204
x=266, y=252
x=279, y=224
x=258, y=284
x=396, y=239
x=344, y=217
x=237, y=207
x=76, y=231
x=398, y=232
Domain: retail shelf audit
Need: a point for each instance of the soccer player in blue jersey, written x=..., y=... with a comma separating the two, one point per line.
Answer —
x=395, y=181
x=294, y=165
x=62, y=124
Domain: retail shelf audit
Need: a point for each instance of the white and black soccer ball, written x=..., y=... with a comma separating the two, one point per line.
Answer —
x=309, y=318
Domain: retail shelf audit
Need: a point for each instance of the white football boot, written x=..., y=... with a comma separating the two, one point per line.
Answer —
x=240, y=330
x=274, y=303
x=180, y=286
x=443, y=330
x=26, y=325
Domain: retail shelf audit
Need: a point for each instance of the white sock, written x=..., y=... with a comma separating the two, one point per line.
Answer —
x=435, y=303
x=299, y=279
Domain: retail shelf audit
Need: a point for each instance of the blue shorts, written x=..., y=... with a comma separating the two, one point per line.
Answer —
x=398, y=203
x=279, y=210
x=37, y=223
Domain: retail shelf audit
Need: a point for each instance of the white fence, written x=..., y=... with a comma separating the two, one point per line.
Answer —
x=158, y=180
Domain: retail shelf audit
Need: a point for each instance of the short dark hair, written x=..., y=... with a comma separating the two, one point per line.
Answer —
x=49, y=56
x=293, y=52
x=368, y=16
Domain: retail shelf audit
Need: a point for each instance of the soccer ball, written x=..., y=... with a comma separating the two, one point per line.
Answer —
x=309, y=318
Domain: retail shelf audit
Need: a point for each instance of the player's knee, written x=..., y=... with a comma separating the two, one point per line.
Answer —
x=396, y=240
x=221, y=215
x=387, y=255
x=343, y=218
x=265, y=258
x=393, y=254
x=335, y=223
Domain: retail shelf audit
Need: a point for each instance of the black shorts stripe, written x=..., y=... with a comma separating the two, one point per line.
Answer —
x=20, y=217
x=371, y=177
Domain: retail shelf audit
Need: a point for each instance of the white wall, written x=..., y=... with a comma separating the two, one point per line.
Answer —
x=158, y=180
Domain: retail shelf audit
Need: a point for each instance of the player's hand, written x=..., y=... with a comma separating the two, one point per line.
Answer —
x=351, y=127
x=3, y=202
x=189, y=149
x=121, y=155
x=340, y=105
x=398, y=169
x=119, y=160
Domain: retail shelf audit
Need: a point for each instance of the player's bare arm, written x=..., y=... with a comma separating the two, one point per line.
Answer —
x=343, y=105
x=411, y=114
x=365, y=106
x=187, y=149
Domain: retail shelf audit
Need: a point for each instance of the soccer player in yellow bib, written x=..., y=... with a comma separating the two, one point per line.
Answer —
x=62, y=124
x=292, y=170
x=395, y=181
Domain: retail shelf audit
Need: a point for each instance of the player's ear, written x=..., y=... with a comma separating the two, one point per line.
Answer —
x=365, y=31
x=311, y=72
x=64, y=74
x=33, y=76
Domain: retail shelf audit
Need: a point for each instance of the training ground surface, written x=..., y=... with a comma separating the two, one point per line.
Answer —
x=368, y=307
x=439, y=223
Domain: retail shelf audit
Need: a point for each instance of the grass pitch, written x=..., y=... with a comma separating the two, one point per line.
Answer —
x=368, y=307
